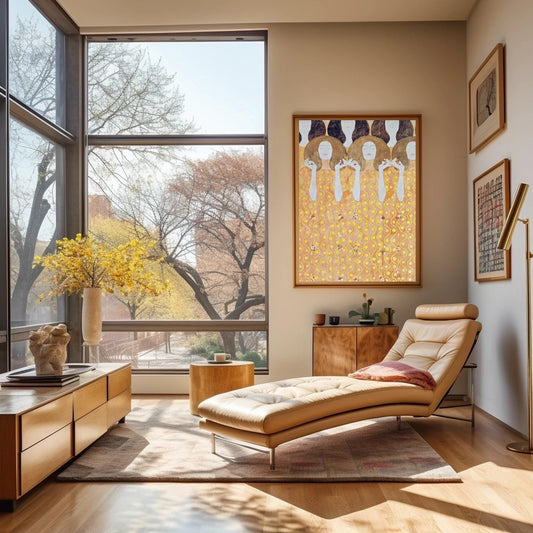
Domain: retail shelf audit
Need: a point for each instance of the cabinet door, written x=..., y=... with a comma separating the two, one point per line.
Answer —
x=333, y=350
x=373, y=343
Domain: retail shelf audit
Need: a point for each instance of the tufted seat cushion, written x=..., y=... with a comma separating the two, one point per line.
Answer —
x=272, y=407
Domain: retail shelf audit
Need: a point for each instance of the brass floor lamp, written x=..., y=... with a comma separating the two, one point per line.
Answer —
x=504, y=244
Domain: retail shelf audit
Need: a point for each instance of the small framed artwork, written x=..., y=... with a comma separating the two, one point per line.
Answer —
x=491, y=206
x=486, y=101
x=356, y=200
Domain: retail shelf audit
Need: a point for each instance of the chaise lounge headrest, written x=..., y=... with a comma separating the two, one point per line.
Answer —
x=446, y=311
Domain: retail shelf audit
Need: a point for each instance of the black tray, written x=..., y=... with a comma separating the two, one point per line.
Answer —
x=69, y=370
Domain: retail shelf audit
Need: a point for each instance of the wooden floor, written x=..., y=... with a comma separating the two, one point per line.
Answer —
x=496, y=494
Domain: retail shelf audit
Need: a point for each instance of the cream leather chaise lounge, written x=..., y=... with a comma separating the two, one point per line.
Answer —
x=439, y=341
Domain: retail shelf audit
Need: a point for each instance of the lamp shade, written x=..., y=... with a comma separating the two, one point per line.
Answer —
x=506, y=235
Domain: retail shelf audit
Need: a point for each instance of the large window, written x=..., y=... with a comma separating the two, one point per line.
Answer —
x=176, y=158
x=35, y=139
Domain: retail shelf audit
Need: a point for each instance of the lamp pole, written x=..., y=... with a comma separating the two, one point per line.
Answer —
x=523, y=446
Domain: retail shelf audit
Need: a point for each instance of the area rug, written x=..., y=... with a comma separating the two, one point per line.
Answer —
x=161, y=441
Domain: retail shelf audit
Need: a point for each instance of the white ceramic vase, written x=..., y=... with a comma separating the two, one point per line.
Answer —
x=91, y=316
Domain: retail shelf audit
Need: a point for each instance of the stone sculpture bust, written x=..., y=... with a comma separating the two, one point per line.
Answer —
x=49, y=348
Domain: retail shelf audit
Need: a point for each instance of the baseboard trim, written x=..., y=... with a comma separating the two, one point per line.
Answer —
x=501, y=423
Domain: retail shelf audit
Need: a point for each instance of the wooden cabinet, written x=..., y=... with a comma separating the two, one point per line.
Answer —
x=42, y=428
x=339, y=350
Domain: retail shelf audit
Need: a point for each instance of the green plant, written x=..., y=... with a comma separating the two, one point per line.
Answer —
x=206, y=348
x=254, y=357
x=365, y=313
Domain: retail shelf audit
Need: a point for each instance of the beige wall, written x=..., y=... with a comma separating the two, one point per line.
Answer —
x=364, y=68
x=374, y=68
x=502, y=349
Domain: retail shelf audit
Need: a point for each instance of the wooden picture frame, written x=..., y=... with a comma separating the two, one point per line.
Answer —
x=486, y=100
x=357, y=200
x=491, y=206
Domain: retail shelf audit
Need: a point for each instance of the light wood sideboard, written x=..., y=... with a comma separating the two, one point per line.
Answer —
x=42, y=428
x=339, y=350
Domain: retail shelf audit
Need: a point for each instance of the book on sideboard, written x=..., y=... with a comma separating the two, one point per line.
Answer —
x=48, y=381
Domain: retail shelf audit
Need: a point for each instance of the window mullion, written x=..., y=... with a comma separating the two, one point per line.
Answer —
x=174, y=140
x=38, y=123
x=185, y=325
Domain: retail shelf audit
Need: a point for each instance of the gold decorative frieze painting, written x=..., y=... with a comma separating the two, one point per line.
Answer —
x=356, y=200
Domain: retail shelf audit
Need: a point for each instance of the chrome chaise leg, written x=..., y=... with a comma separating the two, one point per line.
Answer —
x=272, y=455
x=271, y=451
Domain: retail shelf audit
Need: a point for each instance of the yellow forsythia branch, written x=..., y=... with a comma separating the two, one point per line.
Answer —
x=83, y=262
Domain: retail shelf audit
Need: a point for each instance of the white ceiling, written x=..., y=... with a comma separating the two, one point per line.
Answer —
x=92, y=15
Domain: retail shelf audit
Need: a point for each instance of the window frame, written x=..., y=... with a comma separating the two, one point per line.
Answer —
x=4, y=195
x=189, y=140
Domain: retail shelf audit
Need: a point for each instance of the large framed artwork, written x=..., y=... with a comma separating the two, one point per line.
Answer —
x=486, y=100
x=356, y=200
x=491, y=206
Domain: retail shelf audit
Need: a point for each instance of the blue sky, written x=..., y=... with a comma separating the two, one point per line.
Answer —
x=223, y=83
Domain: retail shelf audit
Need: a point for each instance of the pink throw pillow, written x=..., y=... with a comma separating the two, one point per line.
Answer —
x=395, y=371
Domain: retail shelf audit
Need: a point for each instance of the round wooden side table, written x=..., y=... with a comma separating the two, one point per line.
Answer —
x=207, y=379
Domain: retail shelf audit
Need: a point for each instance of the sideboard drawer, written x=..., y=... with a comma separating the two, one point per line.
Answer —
x=118, y=382
x=45, y=420
x=89, y=428
x=90, y=397
x=118, y=407
x=43, y=458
